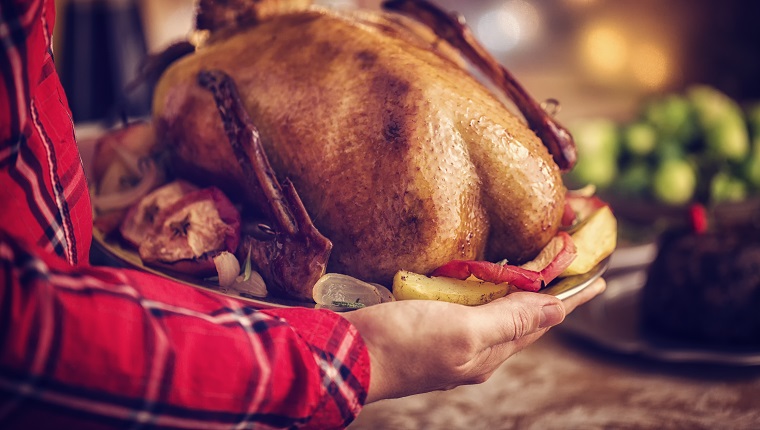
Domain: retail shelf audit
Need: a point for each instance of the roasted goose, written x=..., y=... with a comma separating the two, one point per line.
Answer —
x=402, y=159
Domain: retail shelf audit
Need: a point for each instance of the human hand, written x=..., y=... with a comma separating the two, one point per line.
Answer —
x=416, y=346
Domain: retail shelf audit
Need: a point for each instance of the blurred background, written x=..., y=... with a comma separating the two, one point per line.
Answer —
x=594, y=56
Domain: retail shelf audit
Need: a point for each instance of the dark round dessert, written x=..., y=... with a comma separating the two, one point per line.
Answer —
x=705, y=287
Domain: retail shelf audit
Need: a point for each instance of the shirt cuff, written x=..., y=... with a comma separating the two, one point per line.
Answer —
x=343, y=361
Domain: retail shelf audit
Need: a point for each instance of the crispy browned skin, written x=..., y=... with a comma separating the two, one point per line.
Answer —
x=402, y=159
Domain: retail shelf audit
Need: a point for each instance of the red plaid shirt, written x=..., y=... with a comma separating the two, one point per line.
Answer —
x=93, y=347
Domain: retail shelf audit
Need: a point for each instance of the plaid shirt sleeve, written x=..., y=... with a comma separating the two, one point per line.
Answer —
x=92, y=347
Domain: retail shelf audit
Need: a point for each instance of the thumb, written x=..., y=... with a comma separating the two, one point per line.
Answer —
x=517, y=315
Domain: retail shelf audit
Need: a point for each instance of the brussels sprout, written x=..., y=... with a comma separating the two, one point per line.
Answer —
x=598, y=137
x=751, y=168
x=722, y=122
x=753, y=118
x=711, y=105
x=598, y=148
x=725, y=187
x=674, y=182
x=673, y=117
x=728, y=138
x=600, y=170
x=668, y=149
x=640, y=138
x=635, y=180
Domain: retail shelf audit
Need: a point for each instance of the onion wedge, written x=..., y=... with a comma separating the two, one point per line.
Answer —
x=126, y=198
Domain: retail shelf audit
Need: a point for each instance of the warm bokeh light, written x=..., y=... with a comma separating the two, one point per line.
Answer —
x=613, y=53
x=580, y=3
x=604, y=50
x=167, y=21
x=529, y=18
x=650, y=65
x=498, y=30
x=512, y=23
x=337, y=4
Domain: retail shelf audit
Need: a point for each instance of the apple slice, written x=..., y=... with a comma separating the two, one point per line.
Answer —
x=594, y=240
x=140, y=220
x=578, y=207
x=190, y=232
x=532, y=276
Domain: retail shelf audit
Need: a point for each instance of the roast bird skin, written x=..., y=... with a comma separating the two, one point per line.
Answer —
x=401, y=157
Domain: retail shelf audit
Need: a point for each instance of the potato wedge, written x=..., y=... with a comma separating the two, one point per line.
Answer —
x=413, y=286
x=594, y=241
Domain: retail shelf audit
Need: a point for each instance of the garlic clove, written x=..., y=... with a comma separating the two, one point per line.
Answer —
x=228, y=268
x=252, y=285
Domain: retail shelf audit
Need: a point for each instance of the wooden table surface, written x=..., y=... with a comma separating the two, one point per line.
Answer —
x=562, y=382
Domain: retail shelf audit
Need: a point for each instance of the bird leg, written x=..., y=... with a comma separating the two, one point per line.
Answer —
x=296, y=256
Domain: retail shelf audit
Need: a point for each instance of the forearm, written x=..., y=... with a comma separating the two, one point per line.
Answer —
x=104, y=344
